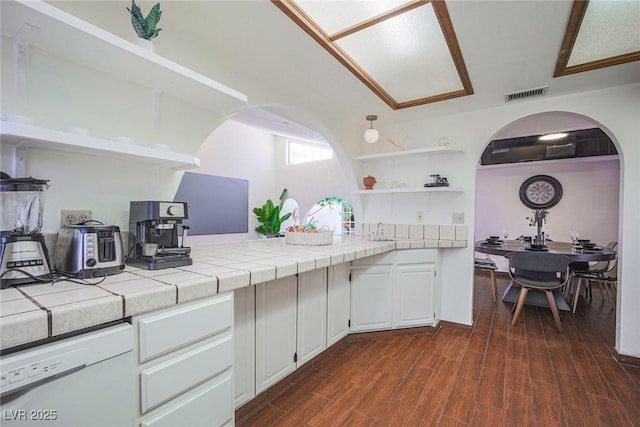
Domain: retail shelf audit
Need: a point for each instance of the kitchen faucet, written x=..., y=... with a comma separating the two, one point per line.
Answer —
x=380, y=229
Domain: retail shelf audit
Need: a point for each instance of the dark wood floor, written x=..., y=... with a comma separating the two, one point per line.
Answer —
x=498, y=375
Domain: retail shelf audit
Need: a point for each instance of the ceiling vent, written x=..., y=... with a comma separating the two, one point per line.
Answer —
x=528, y=93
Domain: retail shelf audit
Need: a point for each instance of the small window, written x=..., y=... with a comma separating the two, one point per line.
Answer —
x=304, y=152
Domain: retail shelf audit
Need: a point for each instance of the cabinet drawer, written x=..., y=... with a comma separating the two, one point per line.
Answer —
x=416, y=256
x=177, y=327
x=168, y=379
x=209, y=406
x=386, y=258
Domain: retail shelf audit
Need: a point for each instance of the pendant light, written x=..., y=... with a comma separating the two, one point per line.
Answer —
x=371, y=135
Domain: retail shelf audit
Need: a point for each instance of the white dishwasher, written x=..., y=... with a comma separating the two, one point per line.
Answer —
x=84, y=380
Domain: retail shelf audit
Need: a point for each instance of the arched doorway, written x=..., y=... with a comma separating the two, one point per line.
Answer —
x=591, y=189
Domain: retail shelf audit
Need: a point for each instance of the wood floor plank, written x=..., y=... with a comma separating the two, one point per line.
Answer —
x=491, y=387
x=339, y=406
x=519, y=410
x=471, y=365
x=483, y=415
x=463, y=392
x=517, y=378
x=546, y=410
x=309, y=407
x=609, y=412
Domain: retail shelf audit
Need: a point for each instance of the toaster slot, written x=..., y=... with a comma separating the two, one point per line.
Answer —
x=106, y=247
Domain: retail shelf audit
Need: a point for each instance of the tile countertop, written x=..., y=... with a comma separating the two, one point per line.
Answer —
x=34, y=312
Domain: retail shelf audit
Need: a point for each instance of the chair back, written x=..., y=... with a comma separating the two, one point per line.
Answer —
x=543, y=262
x=538, y=269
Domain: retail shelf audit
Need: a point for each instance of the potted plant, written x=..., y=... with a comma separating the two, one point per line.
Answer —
x=145, y=27
x=269, y=217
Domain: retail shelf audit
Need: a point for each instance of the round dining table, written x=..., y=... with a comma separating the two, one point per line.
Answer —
x=600, y=253
x=501, y=248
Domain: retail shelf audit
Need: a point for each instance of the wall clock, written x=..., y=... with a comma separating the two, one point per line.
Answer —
x=540, y=192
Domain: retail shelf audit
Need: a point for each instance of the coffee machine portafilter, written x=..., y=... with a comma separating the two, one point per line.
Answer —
x=154, y=244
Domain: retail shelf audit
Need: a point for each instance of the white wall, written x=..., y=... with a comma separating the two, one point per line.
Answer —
x=589, y=202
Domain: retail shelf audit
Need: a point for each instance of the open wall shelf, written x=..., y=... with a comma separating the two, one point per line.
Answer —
x=23, y=136
x=40, y=24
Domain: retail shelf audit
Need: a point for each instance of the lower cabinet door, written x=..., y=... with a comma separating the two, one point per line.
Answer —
x=371, y=298
x=275, y=331
x=338, y=303
x=244, y=339
x=414, y=296
x=312, y=315
x=209, y=405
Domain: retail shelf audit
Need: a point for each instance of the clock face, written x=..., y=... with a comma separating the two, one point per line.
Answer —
x=540, y=192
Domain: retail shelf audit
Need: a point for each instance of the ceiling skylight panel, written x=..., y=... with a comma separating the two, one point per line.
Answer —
x=334, y=16
x=608, y=29
x=407, y=55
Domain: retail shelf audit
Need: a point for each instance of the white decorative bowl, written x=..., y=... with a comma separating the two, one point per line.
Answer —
x=309, y=239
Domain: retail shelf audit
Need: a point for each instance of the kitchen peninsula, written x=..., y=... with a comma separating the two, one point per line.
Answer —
x=185, y=316
x=36, y=312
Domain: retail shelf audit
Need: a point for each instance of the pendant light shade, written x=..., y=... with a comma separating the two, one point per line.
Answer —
x=371, y=135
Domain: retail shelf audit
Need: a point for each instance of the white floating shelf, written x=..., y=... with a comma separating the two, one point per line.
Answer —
x=35, y=137
x=418, y=151
x=70, y=37
x=411, y=190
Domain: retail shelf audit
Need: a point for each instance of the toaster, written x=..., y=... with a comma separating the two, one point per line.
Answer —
x=85, y=251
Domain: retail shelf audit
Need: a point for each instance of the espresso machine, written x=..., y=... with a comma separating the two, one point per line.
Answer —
x=153, y=243
x=24, y=257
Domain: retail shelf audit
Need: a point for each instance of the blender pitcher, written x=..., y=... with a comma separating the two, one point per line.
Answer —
x=22, y=201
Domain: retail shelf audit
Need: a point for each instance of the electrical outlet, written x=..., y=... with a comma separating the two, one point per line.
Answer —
x=420, y=216
x=74, y=217
x=458, y=218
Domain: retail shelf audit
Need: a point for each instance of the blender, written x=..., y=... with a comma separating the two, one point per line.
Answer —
x=23, y=255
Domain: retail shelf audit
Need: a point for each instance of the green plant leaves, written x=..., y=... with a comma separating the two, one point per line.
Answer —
x=145, y=27
x=269, y=216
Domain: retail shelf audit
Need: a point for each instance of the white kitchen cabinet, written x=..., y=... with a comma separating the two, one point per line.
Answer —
x=371, y=298
x=312, y=315
x=338, y=303
x=244, y=335
x=275, y=330
x=291, y=325
x=414, y=299
x=393, y=291
x=185, y=356
x=372, y=293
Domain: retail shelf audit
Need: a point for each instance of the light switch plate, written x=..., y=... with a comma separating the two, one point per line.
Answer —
x=458, y=218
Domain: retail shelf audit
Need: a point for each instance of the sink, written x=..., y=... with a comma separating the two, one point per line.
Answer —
x=381, y=239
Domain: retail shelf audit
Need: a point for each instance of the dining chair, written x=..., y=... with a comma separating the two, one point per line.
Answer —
x=608, y=280
x=604, y=270
x=538, y=271
x=487, y=264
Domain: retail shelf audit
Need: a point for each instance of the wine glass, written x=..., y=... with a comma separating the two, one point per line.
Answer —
x=505, y=233
x=574, y=237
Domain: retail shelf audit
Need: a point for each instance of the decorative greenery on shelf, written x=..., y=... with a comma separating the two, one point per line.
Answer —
x=269, y=216
x=145, y=27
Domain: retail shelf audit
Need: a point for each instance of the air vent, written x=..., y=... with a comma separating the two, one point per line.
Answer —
x=525, y=93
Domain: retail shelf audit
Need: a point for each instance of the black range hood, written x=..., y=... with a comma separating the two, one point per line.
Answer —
x=578, y=143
